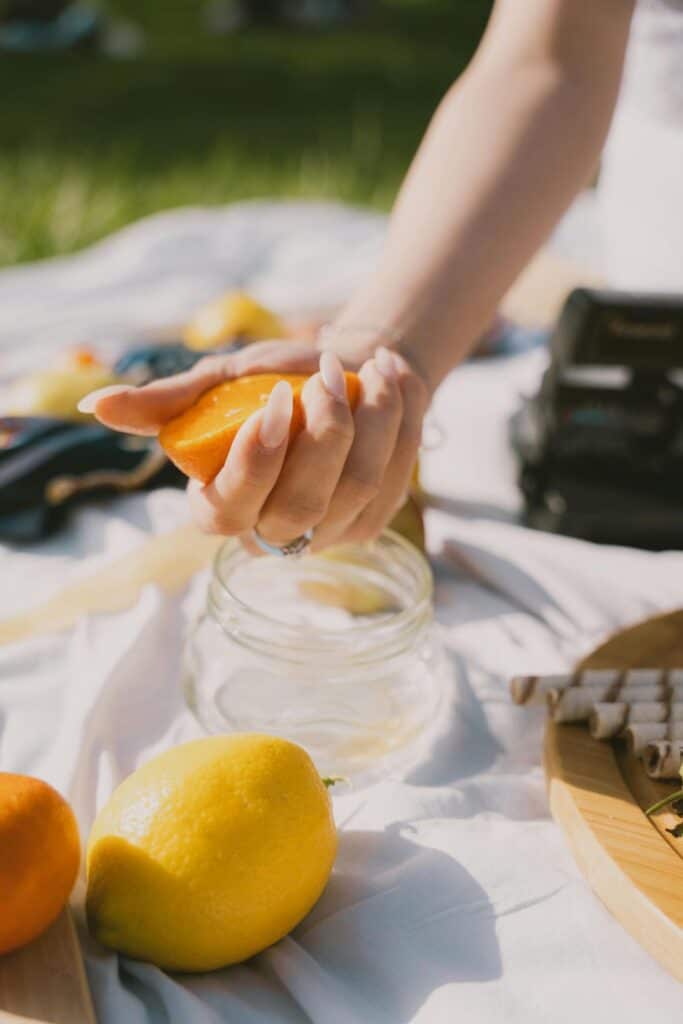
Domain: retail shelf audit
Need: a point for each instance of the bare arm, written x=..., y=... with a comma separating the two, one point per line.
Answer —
x=511, y=144
x=509, y=147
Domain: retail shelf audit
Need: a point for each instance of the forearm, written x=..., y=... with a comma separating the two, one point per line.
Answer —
x=508, y=149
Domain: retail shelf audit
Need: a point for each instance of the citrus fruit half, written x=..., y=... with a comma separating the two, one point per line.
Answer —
x=198, y=441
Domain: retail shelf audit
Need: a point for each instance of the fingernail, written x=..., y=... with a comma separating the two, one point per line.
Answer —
x=386, y=363
x=277, y=416
x=332, y=373
x=88, y=402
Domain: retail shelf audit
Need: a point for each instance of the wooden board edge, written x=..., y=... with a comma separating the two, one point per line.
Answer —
x=79, y=972
x=12, y=1018
x=645, y=643
x=51, y=968
x=610, y=880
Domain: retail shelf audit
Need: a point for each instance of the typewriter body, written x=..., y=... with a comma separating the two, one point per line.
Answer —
x=600, y=446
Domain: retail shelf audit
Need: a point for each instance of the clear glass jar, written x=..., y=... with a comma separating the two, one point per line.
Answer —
x=335, y=651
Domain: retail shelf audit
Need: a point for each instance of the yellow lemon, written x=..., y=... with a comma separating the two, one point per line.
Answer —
x=233, y=316
x=57, y=392
x=210, y=852
x=409, y=522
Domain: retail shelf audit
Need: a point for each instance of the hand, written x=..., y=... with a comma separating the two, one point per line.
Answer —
x=344, y=475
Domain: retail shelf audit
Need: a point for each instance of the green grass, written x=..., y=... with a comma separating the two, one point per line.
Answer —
x=90, y=144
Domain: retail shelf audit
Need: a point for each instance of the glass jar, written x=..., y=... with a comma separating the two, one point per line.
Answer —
x=335, y=651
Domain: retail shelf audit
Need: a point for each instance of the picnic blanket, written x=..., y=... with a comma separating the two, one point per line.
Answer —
x=454, y=895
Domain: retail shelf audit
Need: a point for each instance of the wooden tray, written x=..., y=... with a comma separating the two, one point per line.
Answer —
x=45, y=982
x=598, y=795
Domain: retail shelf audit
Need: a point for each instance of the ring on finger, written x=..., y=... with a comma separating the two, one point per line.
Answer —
x=293, y=547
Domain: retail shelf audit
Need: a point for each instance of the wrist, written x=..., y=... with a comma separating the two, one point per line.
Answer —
x=356, y=342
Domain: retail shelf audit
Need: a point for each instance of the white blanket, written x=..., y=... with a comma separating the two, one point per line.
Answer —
x=454, y=896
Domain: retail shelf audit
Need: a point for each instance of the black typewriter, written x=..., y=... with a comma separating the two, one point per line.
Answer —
x=600, y=446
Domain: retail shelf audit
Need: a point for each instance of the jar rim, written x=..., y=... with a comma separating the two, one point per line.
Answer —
x=405, y=617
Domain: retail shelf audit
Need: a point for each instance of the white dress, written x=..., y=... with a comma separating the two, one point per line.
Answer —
x=640, y=193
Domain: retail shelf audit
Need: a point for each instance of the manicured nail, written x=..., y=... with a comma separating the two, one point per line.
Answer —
x=386, y=363
x=88, y=402
x=332, y=373
x=277, y=416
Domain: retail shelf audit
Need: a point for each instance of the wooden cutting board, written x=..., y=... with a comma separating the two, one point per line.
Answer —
x=598, y=794
x=45, y=982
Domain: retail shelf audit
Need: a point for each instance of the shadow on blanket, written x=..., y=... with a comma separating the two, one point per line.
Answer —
x=446, y=934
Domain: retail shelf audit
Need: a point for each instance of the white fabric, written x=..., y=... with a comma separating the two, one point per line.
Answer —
x=454, y=896
x=152, y=275
x=641, y=181
x=653, y=75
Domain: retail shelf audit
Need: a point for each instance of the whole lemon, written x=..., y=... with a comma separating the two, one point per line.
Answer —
x=210, y=852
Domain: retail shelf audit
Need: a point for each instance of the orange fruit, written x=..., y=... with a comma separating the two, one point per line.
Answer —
x=198, y=441
x=83, y=357
x=39, y=856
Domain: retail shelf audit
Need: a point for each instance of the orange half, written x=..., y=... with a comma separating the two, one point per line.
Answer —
x=198, y=441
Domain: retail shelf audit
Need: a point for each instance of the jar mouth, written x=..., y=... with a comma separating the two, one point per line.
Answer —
x=359, y=600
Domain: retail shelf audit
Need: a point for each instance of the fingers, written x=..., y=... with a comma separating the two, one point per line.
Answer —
x=377, y=422
x=316, y=458
x=145, y=410
x=277, y=357
x=231, y=503
x=396, y=484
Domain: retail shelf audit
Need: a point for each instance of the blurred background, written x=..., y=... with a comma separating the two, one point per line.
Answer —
x=114, y=110
x=109, y=112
